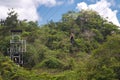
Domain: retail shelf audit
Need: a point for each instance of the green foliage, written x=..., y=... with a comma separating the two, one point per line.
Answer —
x=50, y=54
x=4, y=44
x=16, y=38
x=107, y=57
x=11, y=21
x=51, y=63
x=31, y=56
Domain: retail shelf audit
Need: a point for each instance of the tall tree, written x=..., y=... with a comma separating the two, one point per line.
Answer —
x=12, y=19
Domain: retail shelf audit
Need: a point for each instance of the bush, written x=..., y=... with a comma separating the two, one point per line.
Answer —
x=1, y=78
x=50, y=63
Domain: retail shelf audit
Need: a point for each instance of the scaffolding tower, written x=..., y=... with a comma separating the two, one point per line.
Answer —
x=17, y=47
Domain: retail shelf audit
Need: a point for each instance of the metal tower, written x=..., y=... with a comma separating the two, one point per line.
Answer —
x=17, y=47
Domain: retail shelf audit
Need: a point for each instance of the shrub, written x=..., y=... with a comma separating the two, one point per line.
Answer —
x=50, y=63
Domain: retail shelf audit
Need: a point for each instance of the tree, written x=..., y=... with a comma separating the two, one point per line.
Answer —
x=12, y=19
x=106, y=60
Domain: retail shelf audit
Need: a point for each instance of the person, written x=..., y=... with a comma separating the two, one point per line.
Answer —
x=15, y=60
x=72, y=38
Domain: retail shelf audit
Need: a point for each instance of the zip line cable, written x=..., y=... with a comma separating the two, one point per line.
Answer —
x=59, y=8
x=47, y=12
x=54, y=13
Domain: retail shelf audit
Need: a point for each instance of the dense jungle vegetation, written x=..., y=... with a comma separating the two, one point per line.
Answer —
x=94, y=55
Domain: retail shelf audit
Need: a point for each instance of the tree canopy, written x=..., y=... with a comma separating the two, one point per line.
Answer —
x=95, y=54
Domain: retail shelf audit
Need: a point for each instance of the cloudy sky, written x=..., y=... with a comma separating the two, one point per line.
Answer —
x=45, y=10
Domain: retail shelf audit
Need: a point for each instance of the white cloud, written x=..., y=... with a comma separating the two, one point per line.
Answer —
x=82, y=5
x=103, y=8
x=3, y=12
x=113, y=2
x=92, y=0
x=47, y=3
x=26, y=9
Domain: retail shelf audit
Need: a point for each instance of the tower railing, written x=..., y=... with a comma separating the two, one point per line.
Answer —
x=17, y=47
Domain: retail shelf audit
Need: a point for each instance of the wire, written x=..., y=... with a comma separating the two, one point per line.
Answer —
x=59, y=8
x=47, y=12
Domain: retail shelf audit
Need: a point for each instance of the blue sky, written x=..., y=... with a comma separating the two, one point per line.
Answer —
x=55, y=13
x=45, y=10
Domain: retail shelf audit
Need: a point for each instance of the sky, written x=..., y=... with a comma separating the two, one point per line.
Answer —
x=44, y=11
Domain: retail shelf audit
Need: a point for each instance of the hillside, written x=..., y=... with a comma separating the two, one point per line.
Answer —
x=93, y=55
